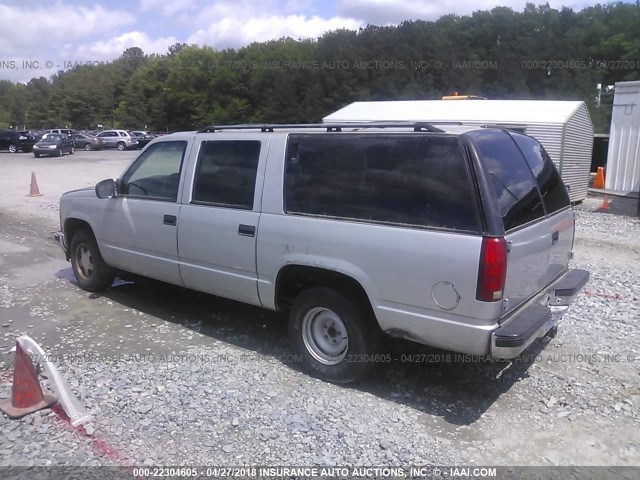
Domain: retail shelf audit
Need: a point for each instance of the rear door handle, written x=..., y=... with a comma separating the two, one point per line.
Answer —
x=554, y=237
x=170, y=220
x=247, y=230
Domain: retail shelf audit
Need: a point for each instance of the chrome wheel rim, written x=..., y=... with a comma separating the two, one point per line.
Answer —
x=84, y=261
x=325, y=336
x=12, y=149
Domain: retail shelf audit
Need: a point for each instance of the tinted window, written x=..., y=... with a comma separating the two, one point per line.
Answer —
x=553, y=190
x=226, y=173
x=156, y=172
x=513, y=183
x=413, y=179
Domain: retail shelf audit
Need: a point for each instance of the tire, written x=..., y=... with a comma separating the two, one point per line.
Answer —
x=73, y=150
x=88, y=147
x=13, y=148
x=121, y=146
x=60, y=152
x=319, y=320
x=37, y=155
x=91, y=271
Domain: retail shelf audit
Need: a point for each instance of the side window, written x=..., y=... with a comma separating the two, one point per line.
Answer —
x=406, y=179
x=553, y=190
x=156, y=172
x=226, y=173
x=513, y=183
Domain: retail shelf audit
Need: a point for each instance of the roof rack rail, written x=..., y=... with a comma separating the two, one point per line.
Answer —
x=330, y=127
x=501, y=126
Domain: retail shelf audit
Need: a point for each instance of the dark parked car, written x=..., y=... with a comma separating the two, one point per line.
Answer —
x=87, y=142
x=142, y=137
x=53, y=144
x=15, y=141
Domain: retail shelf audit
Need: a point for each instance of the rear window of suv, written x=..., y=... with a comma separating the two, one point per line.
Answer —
x=411, y=179
x=511, y=178
x=553, y=191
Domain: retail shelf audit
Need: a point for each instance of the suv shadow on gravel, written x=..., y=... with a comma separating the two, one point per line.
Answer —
x=435, y=382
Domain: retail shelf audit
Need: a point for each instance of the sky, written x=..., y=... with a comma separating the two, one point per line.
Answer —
x=37, y=38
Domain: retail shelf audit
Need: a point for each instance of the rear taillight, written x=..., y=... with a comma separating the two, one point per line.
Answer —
x=493, y=269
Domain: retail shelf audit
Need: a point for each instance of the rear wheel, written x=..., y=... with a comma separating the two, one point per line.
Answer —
x=121, y=146
x=91, y=271
x=13, y=148
x=335, y=336
x=88, y=147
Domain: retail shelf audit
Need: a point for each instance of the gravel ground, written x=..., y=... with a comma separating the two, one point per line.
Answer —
x=175, y=377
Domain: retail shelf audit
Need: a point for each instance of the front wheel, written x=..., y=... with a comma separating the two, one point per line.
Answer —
x=121, y=146
x=91, y=271
x=13, y=148
x=73, y=149
x=60, y=152
x=335, y=336
x=87, y=147
x=37, y=155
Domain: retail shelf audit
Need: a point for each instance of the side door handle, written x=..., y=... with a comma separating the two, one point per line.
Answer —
x=170, y=220
x=247, y=230
x=555, y=237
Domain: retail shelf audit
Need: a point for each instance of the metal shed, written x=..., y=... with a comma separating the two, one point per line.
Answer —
x=563, y=127
x=623, y=158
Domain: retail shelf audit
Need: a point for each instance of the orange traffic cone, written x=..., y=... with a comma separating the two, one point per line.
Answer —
x=34, y=191
x=605, y=203
x=598, y=182
x=26, y=395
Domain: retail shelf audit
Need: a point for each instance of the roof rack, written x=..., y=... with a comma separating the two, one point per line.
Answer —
x=502, y=126
x=330, y=127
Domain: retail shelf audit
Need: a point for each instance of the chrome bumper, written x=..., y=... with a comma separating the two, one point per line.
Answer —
x=537, y=317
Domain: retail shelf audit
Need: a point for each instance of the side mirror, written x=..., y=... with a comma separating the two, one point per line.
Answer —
x=106, y=189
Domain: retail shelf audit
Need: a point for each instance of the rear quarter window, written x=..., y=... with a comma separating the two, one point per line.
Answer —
x=552, y=188
x=413, y=180
x=511, y=179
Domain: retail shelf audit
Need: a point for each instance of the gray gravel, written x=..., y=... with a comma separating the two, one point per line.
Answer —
x=178, y=378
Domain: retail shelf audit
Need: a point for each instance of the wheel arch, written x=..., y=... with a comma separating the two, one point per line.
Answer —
x=293, y=279
x=74, y=225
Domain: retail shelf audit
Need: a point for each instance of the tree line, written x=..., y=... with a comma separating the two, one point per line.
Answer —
x=538, y=53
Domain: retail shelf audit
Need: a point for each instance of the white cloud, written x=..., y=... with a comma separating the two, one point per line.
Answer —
x=389, y=12
x=168, y=7
x=113, y=47
x=34, y=28
x=236, y=31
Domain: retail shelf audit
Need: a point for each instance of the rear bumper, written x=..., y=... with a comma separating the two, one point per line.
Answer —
x=537, y=317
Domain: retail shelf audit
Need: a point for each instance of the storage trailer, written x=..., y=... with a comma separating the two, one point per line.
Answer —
x=623, y=158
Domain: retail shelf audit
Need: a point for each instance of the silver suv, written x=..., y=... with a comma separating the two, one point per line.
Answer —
x=119, y=139
x=455, y=237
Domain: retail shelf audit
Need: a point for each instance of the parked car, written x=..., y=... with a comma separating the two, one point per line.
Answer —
x=142, y=137
x=87, y=142
x=456, y=237
x=16, y=141
x=119, y=139
x=54, y=145
x=66, y=131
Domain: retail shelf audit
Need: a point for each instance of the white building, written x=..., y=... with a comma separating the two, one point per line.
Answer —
x=623, y=158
